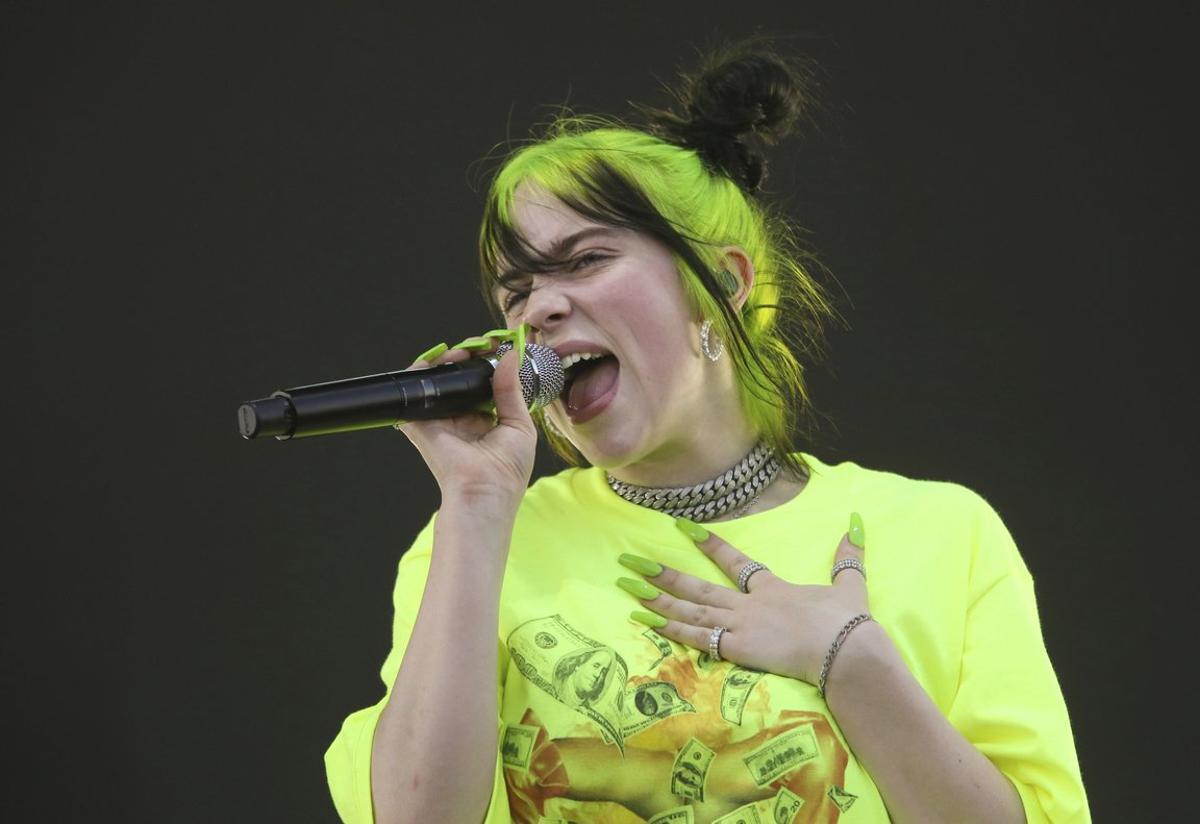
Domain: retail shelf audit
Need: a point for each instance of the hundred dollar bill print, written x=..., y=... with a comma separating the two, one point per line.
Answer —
x=690, y=770
x=648, y=703
x=617, y=730
x=734, y=691
x=661, y=644
x=516, y=745
x=782, y=754
x=579, y=672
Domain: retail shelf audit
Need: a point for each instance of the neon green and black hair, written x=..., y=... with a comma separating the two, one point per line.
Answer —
x=690, y=181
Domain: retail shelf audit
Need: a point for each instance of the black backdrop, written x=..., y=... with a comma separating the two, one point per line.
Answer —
x=204, y=204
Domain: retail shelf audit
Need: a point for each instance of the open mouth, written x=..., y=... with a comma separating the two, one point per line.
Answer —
x=589, y=381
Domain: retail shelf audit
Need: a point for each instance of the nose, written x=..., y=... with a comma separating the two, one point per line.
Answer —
x=547, y=306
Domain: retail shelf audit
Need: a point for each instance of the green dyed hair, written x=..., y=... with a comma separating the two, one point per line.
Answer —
x=695, y=194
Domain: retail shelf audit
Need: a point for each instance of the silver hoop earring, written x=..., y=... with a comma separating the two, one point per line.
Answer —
x=705, y=331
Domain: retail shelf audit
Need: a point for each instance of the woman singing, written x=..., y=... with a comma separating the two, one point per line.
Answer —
x=697, y=621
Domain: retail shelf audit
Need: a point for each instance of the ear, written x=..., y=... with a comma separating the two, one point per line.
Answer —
x=734, y=260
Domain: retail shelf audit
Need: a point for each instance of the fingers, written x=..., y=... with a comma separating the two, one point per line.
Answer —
x=728, y=558
x=689, y=634
x=852, y=546
x=685, y=612
x=694, y=590
x=438, y=355
x=441, y=354
x=684, y=598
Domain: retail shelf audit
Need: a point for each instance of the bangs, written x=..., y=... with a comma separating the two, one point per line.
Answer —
x=592, y=188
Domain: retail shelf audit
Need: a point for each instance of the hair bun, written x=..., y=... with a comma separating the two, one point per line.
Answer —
x=744, y=90
x=749, y=93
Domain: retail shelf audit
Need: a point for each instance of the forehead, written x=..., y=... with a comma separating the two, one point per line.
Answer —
x=542, y=219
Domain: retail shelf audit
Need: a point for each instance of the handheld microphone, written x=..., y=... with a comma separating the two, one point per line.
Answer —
x=389, y=398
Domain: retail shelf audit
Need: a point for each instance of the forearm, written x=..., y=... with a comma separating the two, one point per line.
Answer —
x=434, y=751
x=924, y=768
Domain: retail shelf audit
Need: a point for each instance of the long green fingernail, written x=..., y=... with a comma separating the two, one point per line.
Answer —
x=473, y=343
x=691, y=529
x=639, y=588
x=432, y=352
x=649, y=619
x=519, y=343
x=640, y=565
x=857, y=534
x=500, y=334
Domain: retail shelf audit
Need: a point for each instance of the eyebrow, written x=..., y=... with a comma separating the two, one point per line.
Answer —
x=561, y=248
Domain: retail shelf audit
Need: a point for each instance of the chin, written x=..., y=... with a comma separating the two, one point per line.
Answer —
x=608, y=447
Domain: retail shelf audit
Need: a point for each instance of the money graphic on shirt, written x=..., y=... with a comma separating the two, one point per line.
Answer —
x=647, y=704
x=661, y=644
x=742, y=815
x=734, y=691
x=842, y=798
x=690, y=770
x=678, y=815
x=782, y=754
x=580, y=673
x=517, y=745
x=787, y=804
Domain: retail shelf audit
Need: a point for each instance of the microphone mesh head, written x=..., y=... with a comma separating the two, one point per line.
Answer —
x=541, y=375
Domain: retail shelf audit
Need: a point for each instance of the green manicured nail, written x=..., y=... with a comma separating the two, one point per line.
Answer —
x=691, y=529
x=640, y=565
x=856, y=532
x=519, y=343
x=432, y=352
x=473, y=343
x=649, y=619
x=500, y=334
x=639, y=588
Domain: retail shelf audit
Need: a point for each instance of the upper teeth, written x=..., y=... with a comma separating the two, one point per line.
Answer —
x=576, y=357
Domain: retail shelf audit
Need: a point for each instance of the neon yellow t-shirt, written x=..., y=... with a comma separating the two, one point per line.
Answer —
x=594, y=705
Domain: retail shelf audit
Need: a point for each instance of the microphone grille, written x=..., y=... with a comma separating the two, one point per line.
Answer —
x=541, y=375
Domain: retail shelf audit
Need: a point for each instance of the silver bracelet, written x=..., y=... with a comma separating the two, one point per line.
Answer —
x=836, y=645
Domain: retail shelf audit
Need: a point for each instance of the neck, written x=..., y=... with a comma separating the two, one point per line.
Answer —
x=688, y=464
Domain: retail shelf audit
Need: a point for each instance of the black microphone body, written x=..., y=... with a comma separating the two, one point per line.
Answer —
x=388, y=398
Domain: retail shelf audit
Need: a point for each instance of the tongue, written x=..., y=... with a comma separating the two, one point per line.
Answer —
x=592, y=383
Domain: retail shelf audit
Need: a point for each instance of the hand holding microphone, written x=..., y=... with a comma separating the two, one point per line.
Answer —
x=467, y=415
x=478, y=457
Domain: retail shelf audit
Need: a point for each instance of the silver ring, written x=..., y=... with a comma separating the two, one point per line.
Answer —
x=847, y=563
x=714, y=643
x=748, y=570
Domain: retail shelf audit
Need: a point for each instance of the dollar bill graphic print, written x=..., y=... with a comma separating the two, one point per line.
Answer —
x=586, y=734
x=679, y=815
x=782, y=754
x=787, y=804
x=647, y=704
x=579, y=672
x=690, y=770
x=734, y=690
x=516, y=745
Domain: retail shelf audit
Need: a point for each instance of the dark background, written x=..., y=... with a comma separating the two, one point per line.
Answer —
x=203, y=204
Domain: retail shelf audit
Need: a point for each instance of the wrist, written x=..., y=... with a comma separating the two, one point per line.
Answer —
x=487, y=501
x=864, y=654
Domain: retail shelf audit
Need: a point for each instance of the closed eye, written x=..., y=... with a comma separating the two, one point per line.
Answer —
x=586, y=259
x=574, y=265
x=513, y=299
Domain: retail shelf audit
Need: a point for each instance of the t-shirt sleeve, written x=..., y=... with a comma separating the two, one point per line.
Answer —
x=1009, y=703
x=348, y=759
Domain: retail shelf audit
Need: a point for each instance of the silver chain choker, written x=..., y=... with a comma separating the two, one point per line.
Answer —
x=739, y=487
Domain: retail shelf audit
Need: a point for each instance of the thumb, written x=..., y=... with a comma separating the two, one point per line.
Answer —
x=852, y=547
x=506, y=392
